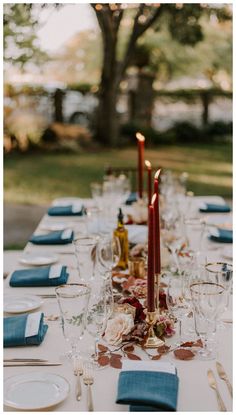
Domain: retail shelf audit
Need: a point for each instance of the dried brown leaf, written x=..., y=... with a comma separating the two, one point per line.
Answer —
x=129, y=348
x=184, y=354
x=163, y=349
x=102, y=348
x=156, y=357
x=188, y=344
x=115, y=362
x=132, y=356
x=116, y=355
x=103, y=360
x=198, y=343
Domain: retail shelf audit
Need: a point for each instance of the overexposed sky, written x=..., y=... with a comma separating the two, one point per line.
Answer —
x=58, y=26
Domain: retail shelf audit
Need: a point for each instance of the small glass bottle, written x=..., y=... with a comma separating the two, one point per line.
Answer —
x=122, y=234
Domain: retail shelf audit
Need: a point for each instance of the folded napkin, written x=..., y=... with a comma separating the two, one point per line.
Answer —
x=137, y=234
x=132, y=198
x=69, y=210
x=40, y=277
x=54, y=238
x=24, y=330
x=214, y=208
x=222, y=235
x=148, y=386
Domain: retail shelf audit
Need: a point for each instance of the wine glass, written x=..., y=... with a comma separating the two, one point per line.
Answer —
x=97, y=315
x=109, y=250
x=73, y=304
x=221, y=273
x=177, y=300
x=85, y=252
x=207, y=298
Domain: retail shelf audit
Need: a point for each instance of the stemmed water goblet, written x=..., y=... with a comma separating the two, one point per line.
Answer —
x=207, y=298
x=85, y=252
x=73, y=302
x=108, y=251
x=177, y=300
x=97, y=315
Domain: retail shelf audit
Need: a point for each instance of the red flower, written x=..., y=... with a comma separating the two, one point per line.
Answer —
x=139, y=315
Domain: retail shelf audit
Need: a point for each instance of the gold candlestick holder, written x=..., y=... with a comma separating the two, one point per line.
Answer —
x=157, y=291
x=152, y=340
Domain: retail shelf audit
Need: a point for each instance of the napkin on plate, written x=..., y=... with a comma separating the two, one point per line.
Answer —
x=132, y=198
x=24, y=330
x=148, y=386
x=39, y=277
x=214, y=208
x=222, y=235
x=69, y=210
x=54, y=238
x=137, y=234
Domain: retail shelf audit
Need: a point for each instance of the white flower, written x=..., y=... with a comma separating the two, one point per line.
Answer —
x=116, y=327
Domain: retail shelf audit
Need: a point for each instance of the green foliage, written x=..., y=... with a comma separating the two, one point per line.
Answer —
x=181, y=132
x=19, y=25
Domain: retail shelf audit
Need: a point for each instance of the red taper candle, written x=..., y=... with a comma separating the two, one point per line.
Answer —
x=157, y=238
x=151, y=259
x=149, y=180
x=141, y=140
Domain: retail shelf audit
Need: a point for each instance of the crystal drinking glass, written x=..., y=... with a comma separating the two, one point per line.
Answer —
x=177, y=300
x=85, y=252
x=97, y=314
x=73, y=302
x=108, y=251
x=207, y=298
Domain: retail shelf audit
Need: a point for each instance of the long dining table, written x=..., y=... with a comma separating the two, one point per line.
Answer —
x=194, y=391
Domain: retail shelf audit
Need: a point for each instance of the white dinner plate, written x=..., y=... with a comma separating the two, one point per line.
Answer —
x=21, y=303
x=37, y=260
x=35, y=391
x=59, y=226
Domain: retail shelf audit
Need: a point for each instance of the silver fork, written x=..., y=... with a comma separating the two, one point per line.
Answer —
x=88, y=379
x=78, y=371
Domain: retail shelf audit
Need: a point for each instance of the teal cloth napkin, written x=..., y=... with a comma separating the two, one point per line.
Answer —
x=52, y=238
x=148, y=391
x=65, y=211
x=222, y=235
x=214, y=208
x=37, y=277
x=132, y=198
x=14, y=331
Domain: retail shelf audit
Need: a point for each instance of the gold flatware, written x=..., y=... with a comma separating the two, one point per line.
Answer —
x=223, y=376
x=16, y=364
x=213, y=385
x=78, y=371
x=88, y=381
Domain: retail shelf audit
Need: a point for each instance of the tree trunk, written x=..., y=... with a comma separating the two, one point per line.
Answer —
x=58, y=105
x=205, y=110
x=107, y=117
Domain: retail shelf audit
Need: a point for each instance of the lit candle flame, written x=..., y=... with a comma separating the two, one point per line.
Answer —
x=140, y=137
x=148, y=164
x=153, y=199
x=156, y=176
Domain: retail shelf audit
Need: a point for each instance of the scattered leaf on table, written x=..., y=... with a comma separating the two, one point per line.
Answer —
x=156, y=357
x=129, y=348
x=198, y=343
x=103, y=360
x=102, y=348
x=184, y=354
x=188, y=344
x=116, y=355
x=163, y=349
x=132, y=356
x=115, y=362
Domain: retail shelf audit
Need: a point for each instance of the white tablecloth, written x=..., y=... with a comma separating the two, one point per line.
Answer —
x=194, y=391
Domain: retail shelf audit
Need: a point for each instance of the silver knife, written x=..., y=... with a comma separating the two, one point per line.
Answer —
x=16, y=364
x=25, y=360
x=222, y=375
x=213, y=385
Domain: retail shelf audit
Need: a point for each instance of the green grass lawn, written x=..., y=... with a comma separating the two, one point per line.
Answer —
x=38, y=178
